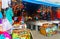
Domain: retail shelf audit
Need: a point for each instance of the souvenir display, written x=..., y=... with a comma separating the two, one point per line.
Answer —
x=48, y=29
x=19, y=25
x=21, y=34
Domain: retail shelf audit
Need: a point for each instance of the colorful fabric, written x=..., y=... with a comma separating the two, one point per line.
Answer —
x=1, y=32
x=9, y=14
x=5, y=35
x=6, y=25
x=1, y=16
x=5, y=3
x=2, y=36
x=0, y=21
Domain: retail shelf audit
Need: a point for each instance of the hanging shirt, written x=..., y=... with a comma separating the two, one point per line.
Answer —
x=1, y=16
x=9, y=14
x=58, y=14
x=5, y=3
x=6, y=24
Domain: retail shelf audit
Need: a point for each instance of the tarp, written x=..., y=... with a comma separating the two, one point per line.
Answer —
x=54, y=3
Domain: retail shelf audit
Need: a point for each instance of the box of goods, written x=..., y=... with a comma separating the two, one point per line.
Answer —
x=15, y=34
x=48, y=29
x=20, y=34
x=16, y=24
x=5, y=35
x=26, y=34
x=19, y=25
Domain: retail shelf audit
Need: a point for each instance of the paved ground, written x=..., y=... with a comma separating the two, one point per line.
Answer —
x=37, y=35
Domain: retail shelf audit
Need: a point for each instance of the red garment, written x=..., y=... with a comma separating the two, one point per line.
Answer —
x=19, y=18
x=38, y=11
x=1, y=32
x=58, y=15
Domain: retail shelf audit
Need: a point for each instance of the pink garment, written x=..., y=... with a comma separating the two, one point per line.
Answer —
x=7, y=35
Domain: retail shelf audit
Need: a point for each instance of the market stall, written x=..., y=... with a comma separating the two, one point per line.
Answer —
x=17, y=15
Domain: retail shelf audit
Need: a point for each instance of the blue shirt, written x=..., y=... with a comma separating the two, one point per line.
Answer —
x=1, y=16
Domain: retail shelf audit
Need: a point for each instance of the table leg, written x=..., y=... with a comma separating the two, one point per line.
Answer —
x=31, y=27
x=36, y=28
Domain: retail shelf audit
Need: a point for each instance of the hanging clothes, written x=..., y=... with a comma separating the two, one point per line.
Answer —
x=5, y=35
x=9, y=14
x=42, y=15
x=58, y=14
x=1, y=16
x=2, y=36
x=6, y=24
x=6, y=3
x=14, y=6
x=48, y=16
